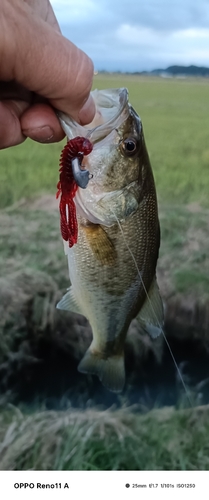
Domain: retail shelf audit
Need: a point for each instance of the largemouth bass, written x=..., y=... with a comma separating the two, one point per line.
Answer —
x=112, y=267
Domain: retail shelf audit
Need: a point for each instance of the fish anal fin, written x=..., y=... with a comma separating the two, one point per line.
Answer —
x=151, y=315
x=111, y=371
x=69, y=303
x=100, y=244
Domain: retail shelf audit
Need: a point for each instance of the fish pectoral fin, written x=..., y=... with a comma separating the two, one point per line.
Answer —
x=151, y=315
x=69, y=303
x=111, y=371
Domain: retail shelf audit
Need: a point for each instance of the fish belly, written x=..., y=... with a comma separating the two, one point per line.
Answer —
x=110, y=293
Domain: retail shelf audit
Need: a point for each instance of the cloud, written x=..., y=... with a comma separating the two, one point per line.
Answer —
x=138, y=35
x=76, y=12
x=132, y=36
x=165, y=15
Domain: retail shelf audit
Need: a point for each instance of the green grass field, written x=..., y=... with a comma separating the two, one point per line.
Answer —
x=174, y=114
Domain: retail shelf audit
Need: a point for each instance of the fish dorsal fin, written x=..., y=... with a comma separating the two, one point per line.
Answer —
x=151, y=315
x=69, y=302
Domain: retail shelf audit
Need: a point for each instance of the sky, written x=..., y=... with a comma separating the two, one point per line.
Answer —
x=128, y=35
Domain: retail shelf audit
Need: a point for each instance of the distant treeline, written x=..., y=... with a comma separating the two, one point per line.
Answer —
x=183, y=70
x=170, y=71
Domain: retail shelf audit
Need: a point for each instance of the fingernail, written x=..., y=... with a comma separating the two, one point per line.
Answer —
x=87, y=112
x=40, y=134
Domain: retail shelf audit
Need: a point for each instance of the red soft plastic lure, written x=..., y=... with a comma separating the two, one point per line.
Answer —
x=67, y=187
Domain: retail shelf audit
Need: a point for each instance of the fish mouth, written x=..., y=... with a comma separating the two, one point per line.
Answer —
x=112, y=109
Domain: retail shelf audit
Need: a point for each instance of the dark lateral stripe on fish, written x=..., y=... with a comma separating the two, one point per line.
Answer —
x=100, y=244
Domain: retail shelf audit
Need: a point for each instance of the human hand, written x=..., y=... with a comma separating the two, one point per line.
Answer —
x=39, y=70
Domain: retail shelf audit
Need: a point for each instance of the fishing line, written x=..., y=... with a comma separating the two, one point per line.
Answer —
x=160, y=327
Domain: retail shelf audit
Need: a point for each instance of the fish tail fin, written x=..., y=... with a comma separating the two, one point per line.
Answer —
x=111, y=371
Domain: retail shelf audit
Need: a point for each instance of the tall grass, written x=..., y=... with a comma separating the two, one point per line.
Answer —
x=175, y=118
x=105, y=440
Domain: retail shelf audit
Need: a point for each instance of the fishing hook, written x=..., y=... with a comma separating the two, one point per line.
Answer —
x=81, y=177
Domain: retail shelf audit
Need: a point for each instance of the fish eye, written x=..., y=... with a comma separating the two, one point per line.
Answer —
x=129, y=146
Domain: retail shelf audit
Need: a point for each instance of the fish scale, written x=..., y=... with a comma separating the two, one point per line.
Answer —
x=117, y=211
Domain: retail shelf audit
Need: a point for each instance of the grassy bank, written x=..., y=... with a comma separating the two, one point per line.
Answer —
x=105, y=440
x=35, y=337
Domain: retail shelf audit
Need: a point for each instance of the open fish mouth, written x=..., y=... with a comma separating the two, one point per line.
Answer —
x=112, y=108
